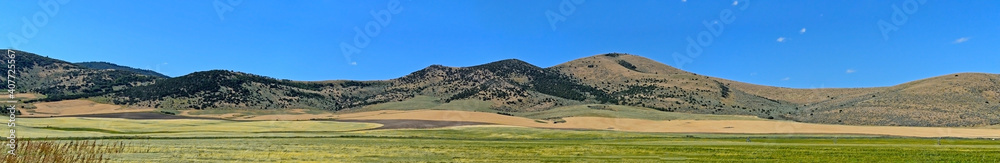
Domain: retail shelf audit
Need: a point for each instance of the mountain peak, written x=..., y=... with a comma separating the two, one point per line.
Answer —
x=508, y=62
x=509, y=66
x=218, y=73
x=614, y=54
x=615, y=64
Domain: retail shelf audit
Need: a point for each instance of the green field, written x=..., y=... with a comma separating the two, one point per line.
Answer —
x=559, y=150
x=166, y=141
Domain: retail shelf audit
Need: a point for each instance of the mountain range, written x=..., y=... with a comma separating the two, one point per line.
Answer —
x=515, y=86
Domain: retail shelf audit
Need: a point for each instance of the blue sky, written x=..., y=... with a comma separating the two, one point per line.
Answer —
x=799, y=44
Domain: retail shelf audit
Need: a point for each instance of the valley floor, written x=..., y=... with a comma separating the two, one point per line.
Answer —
x=520, y=144
x=574, y=135
x=610, y=117
x=676, y=126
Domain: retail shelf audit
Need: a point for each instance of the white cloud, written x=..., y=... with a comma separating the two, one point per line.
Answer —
x=354, y=63
x=850, y=71
x=802, y=31
x=961, y=40
x=781, y=39
x=736, y=3
x=786, y=79
x=684, y=0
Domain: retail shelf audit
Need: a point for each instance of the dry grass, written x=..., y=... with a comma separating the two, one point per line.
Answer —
x=678, y=126
x=71, y=151
x=77, y=107
x=89, y=127
x=964, y=99
x=263, y=115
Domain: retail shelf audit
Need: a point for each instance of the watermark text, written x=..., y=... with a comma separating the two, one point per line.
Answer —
x=371, y=30
x=11, y=110
x=704, y=38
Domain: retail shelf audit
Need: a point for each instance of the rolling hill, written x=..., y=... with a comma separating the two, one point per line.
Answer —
x=106, y=65
x=964, y=99
x=515, y=87
x=63, y=80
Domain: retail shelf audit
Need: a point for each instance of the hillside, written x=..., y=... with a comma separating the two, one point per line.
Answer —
x=965, y=99
x=236, y=90
x=63, y=80
x=106, y=65
x=951, y=100
x=510, y=85
x=637, y=81
x=515, y=87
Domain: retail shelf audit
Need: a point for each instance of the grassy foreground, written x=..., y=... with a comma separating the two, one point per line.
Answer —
x=620, y=150
x=518, y=144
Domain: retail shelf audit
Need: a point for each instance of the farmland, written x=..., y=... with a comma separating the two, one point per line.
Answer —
x=627, y=150
x=77, y=127
x=500, y=143
x=190, y=140
x=568, y=134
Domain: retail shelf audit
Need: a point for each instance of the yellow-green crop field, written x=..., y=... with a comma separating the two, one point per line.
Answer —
x=373, y=149
x=123, y=140
x=116, y=127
